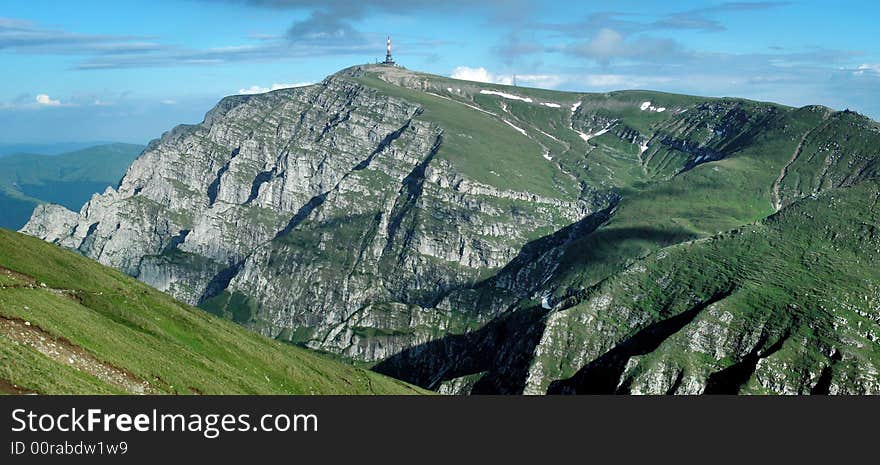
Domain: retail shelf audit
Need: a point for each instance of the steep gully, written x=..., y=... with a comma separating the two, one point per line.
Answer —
x=222, y=279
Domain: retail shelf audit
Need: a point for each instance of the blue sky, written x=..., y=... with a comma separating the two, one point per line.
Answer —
x=127, y=71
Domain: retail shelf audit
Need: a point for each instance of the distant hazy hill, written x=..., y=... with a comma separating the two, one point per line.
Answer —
x=55, y=148
x=71, y=326
x=67, y=179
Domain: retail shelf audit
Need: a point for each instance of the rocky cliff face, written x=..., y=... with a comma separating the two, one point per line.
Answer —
x=315, y=215
x=473, y=238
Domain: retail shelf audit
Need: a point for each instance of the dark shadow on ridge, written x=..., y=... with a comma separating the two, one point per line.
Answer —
x=602, y=375
x=501, y=349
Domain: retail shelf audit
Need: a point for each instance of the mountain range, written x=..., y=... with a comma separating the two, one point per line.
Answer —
x=478, y=238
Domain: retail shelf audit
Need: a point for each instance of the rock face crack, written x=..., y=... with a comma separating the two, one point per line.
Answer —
x=731, y=379
x=384, y=144
x=261, y=178
x=495, y=350
x=413, y=184
x=777, y=184
x=214, y=187
x=823, y=384
x=222, y=280
x=180, y=238
x=303, y=213
x=602, y=375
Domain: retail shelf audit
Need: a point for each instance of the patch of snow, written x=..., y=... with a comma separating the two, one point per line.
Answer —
x=575, y=106
x=550, y=136
x=547, y=156
x=520, y=130
x=545, y=303
x=587, y=137
x=479, y=109
x=506, y=95
x=476, y=108
x=551, y=105
x=449, y=89
x=643, y=148
x=465, y=104
x=646, y=106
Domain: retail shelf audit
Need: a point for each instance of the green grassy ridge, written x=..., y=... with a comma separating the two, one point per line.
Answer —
x=842, y=151
x=806, y=278
x=669, y=200
x=174, y=347
x=479, y=144
x=672, y=201
x=68, y=179
x=705, y=200
x=485, y=148
x=610, y=164
x=548, y=128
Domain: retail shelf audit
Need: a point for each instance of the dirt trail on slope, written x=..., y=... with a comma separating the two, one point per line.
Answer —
x=7, y=387
x=20, y=280
x=777, y=198
x=67, y=353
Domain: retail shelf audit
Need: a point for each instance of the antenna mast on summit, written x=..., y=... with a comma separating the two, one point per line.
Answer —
x=388, y=59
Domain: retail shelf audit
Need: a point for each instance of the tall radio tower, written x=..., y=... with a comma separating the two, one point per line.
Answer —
x=388, y=59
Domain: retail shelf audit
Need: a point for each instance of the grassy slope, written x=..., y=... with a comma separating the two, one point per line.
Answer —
x=705, y=200
x=124, y=323
x=482, y=146
x=775, y=265
x=809, y=292
x=661, y=203
x=68, y=179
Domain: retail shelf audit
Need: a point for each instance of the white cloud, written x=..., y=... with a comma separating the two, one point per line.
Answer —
x=44, y=99
x=168, y=102
x=544, y=81
x=606, y=43
x=480, y=75
x=255, y=89
x=554, y=81
x=874, y=68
